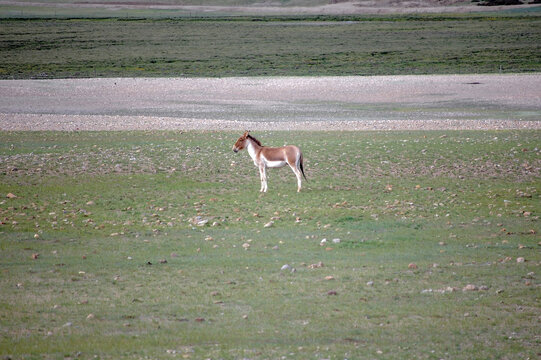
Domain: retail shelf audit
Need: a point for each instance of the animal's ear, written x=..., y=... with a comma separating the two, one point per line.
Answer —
x=246, y=133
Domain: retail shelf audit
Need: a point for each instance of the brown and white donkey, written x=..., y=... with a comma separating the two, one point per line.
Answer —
x=271, y=157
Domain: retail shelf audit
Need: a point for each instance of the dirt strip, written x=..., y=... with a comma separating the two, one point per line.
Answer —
x=426, y=102
x=44, y=122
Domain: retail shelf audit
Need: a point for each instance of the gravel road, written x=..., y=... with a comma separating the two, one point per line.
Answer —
x=427, y=102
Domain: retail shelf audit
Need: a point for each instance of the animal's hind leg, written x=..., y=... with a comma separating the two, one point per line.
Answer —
x=299, y=176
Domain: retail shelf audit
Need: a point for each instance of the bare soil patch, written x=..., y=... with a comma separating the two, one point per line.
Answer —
x=431, y=102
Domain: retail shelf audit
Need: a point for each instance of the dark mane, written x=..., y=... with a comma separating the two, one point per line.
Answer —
x=254, y=139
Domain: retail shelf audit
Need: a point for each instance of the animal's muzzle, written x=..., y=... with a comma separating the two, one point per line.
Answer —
x=236, y=150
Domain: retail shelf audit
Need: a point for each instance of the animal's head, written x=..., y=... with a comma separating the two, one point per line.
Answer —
x=241, y=142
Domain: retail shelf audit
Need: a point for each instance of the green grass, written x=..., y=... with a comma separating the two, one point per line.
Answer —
x=269, y=46
x=104, y=205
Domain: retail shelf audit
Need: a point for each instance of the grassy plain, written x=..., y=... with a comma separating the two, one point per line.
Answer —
x=120, y=268
x=249, y=46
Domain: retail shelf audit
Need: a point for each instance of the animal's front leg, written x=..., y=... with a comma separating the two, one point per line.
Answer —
x=262, y=178
x=263, y=172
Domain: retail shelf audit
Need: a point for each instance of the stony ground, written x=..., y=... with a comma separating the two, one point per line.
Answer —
x=279, y=103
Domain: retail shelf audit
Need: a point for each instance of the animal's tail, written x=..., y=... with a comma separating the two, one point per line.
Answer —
x=302, y=169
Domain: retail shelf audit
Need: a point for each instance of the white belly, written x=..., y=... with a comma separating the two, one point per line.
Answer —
x=274, y=164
